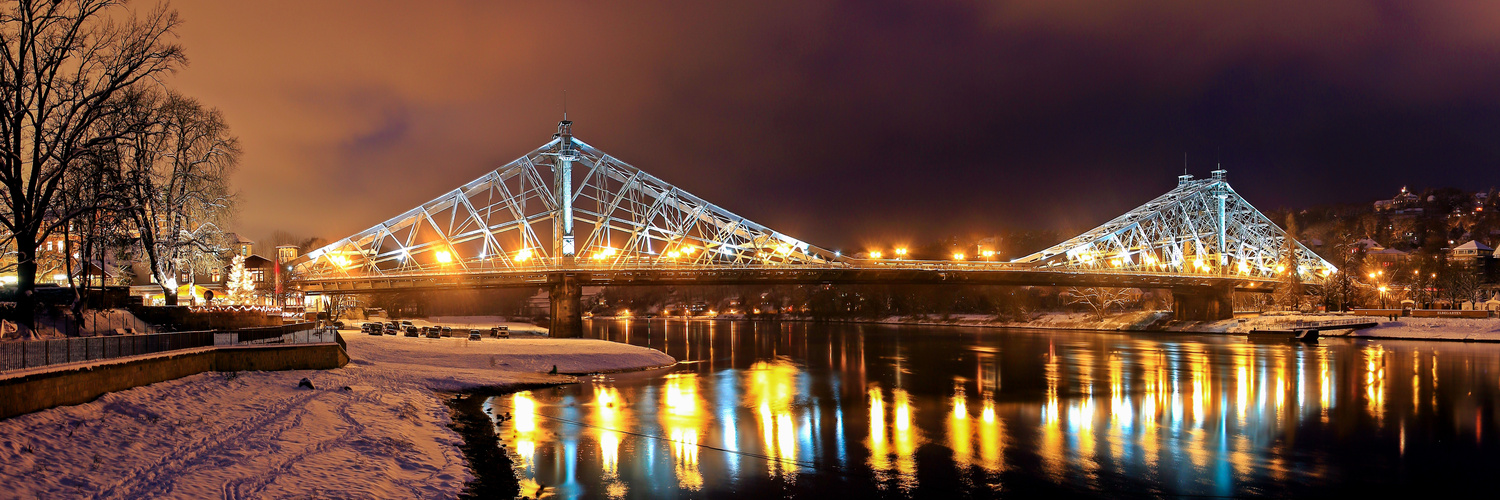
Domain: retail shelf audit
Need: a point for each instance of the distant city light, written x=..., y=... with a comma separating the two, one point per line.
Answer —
x=958, y=256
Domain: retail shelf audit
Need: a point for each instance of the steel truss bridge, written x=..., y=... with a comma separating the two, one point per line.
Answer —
x=567, y=215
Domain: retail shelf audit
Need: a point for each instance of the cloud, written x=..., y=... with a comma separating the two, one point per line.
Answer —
x=834, y=121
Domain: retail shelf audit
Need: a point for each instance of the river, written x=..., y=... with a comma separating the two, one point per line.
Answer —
x=791, y=409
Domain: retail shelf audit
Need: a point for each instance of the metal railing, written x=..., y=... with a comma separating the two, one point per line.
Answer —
x=1322, y=323
x=22, y=354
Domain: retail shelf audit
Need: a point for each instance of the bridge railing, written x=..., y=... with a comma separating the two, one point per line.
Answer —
x=541, y=272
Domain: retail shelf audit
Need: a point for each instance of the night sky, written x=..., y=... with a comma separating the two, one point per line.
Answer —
x=853, y=123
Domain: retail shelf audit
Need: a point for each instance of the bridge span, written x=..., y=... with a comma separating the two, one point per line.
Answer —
x=567, y=215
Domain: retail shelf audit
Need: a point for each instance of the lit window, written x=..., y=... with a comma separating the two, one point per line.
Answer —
x=259, y=275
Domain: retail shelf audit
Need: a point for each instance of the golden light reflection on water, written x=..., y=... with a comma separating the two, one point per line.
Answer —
x=1375, y=381
x=1051, y=449
x=893, y=439
x=965, y=431
x=608, y=418
x=960, y=437
x=523, y=409
x=684, y=425
x=771, y=391
x=1075, y=412
x=991, y=437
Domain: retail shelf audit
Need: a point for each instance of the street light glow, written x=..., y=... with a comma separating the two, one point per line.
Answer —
x=874, y=254
x=444, y=257
x=958, y=256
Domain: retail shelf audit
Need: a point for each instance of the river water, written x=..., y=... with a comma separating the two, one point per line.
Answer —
x=759, y=409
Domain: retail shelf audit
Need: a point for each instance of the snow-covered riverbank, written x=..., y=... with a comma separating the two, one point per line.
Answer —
x=374, y=429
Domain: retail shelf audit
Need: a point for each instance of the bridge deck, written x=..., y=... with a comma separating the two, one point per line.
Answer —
x=874, y=273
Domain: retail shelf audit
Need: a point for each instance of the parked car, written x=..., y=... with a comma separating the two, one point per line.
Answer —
x=500, y=332
x=411, y=331
x=474, y=335
x=432, y=332
x=447, y=331
x=372, y=328
x=405, y=323
x=390, y=329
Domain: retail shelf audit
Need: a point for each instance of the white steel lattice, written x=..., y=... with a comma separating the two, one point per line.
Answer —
x=510, y=220
x=1200, y=227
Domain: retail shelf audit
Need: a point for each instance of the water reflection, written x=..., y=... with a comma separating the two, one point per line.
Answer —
x=803, y=409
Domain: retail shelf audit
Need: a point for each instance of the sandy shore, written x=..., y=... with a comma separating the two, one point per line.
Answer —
x=374, y=429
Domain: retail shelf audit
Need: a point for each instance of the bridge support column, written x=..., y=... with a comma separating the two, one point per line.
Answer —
x=1205, y=303
x=567, y=306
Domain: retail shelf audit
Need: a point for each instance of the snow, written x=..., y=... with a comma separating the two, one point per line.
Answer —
x=454, y=364
x=1457, y=329
x=256, y=434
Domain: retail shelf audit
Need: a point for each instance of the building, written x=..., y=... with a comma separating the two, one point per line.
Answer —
x=1403, y=201
x=1472, y=251
x=202, y=287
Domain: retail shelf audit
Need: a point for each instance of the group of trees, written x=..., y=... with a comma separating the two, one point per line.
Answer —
x=92, y=146
x=1426, y=274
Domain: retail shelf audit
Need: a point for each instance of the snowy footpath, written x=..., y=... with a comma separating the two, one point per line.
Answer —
x=373, y=429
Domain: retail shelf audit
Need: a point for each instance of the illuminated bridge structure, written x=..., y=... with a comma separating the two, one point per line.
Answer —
x=567, y=215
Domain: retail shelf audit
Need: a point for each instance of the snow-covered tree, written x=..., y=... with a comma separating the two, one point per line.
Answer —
x=178, y=177
x=1101, y=299
x=241, y=283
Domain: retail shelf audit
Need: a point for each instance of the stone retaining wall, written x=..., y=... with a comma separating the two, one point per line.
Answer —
x=70, y=385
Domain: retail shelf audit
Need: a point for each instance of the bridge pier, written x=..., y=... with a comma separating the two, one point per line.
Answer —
x=1203, y=303
x=567, y=305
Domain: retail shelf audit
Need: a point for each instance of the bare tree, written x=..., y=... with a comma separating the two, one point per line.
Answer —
x=1101, y=299
x=337, y=306
x=1290, y=292
x=177, y=171
x=1458, y=282
x=63, y=63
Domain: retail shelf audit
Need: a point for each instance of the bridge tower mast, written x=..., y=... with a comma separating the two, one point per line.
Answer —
x=1221, y=196
x=567, y=153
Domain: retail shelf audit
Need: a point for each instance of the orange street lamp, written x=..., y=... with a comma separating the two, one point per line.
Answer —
x=875, y=254
x=958, y=256
x=900, y=253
